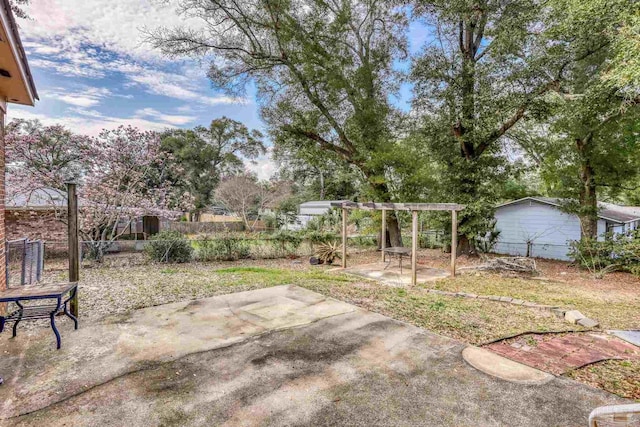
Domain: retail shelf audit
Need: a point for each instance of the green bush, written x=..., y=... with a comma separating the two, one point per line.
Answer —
x=314, y=236
x=286, y=241
x=223, y=248
x=617, y=252
x=169, y=246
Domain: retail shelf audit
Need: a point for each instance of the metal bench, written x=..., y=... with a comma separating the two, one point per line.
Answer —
x=42, y=311
x=399, y=251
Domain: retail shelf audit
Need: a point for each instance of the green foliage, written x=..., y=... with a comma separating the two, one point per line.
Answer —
x=315, y=236
x=287, y=242
x=222, y=248
x=614, y=252
x=206, y=154
x=169, y=246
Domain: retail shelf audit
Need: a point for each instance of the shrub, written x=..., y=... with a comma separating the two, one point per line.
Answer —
x=286, y=241
x=224, y=248
x=315, y=236
x=169, y=246
x=328, y=252
x=617, y=252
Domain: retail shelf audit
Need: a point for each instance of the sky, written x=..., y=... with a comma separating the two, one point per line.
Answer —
x=93, y=70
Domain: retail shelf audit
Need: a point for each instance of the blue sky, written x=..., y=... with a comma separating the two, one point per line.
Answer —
x=93, y=71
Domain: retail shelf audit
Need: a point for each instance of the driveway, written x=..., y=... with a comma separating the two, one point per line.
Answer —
x=276, y=356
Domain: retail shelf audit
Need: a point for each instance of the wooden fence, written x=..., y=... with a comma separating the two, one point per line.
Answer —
x=205, y=227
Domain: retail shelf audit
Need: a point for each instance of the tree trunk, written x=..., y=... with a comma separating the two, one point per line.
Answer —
x=321, y=185
x=588, y=197
x=394, y=237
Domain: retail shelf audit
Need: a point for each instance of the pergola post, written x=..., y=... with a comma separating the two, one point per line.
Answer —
x=454, y=241
x=383, y=235
x=344, y=238
x=74, y=246
x=414, y=247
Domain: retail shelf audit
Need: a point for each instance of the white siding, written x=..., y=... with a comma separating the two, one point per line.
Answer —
x=547, y=228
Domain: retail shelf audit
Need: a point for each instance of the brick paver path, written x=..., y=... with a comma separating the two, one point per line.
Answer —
x=558, y=354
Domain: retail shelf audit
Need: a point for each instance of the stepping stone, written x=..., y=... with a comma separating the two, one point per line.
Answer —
x=632, y=337
x=497, y=366
x=573, y=316
x=588, y=323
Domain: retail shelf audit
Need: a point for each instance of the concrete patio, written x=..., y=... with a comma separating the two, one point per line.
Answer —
x=275, y=356
x=391, y=274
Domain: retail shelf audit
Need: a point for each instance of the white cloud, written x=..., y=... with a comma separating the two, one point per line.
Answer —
x=167, y=118
x=113, y=25
x=264, y=167
x=90, y=124
x=85, y=96
x=80, y=101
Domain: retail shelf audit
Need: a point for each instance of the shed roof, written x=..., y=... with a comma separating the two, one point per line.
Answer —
x=606, y=211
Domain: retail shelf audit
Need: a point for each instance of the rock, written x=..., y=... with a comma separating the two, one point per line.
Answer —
x=572, y=316
x=517, y=301
x=529, y=304
x=494, y=298
x=471, y=295
x=558, y=312
x=588, y=323
x=506, y=299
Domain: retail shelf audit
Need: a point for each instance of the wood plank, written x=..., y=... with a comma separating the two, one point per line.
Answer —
x=74, y=256
x=399, y=206
x=414, y=247
x=454, y=241
x=36, y=291
x=383, y=241
x=344, y=238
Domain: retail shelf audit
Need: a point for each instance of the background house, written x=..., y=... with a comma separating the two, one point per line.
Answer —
x=41, y=214
x=536, y=226
x=16, y=86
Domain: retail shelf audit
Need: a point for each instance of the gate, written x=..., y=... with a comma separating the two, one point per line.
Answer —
x=25, y=261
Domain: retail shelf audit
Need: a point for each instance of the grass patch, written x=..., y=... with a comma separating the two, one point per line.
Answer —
x=621, y=377
x=614, y=310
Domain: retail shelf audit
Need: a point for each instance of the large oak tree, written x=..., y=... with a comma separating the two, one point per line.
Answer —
x=322, y=68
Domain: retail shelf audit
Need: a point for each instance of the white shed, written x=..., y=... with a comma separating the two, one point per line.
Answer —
x=317, y=207
x=536, y=226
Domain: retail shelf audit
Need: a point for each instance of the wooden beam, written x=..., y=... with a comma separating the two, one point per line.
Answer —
x=383, y=238
x=344, y=238
x=74, y=247
x=399, y=206
x=414, y=247
x=454, y=241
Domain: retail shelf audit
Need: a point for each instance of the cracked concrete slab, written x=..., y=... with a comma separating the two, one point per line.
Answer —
x=277, y=356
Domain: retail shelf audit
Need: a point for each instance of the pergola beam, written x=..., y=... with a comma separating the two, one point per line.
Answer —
x=414, y=208
x=399, y=206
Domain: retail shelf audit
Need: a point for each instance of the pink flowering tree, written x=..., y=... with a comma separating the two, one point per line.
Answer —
x=121, y=176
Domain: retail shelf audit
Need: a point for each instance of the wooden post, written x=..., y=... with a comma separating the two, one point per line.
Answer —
x=344, y=238
x=414, y=247
x=383, y=235
x=74, y=258
x=454, y=241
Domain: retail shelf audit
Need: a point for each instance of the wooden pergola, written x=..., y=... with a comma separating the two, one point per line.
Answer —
x=414, y=208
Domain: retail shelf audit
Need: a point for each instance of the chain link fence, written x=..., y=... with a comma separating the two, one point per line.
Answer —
x=25, y=261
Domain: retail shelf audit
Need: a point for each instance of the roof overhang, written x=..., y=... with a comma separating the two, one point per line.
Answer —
x=16, y=82
x=550, y=203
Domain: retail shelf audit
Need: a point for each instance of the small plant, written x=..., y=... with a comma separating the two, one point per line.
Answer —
x=169, y=246
x=616, y=252
x=328, y=252
x=286, y=241
x=223, y=248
